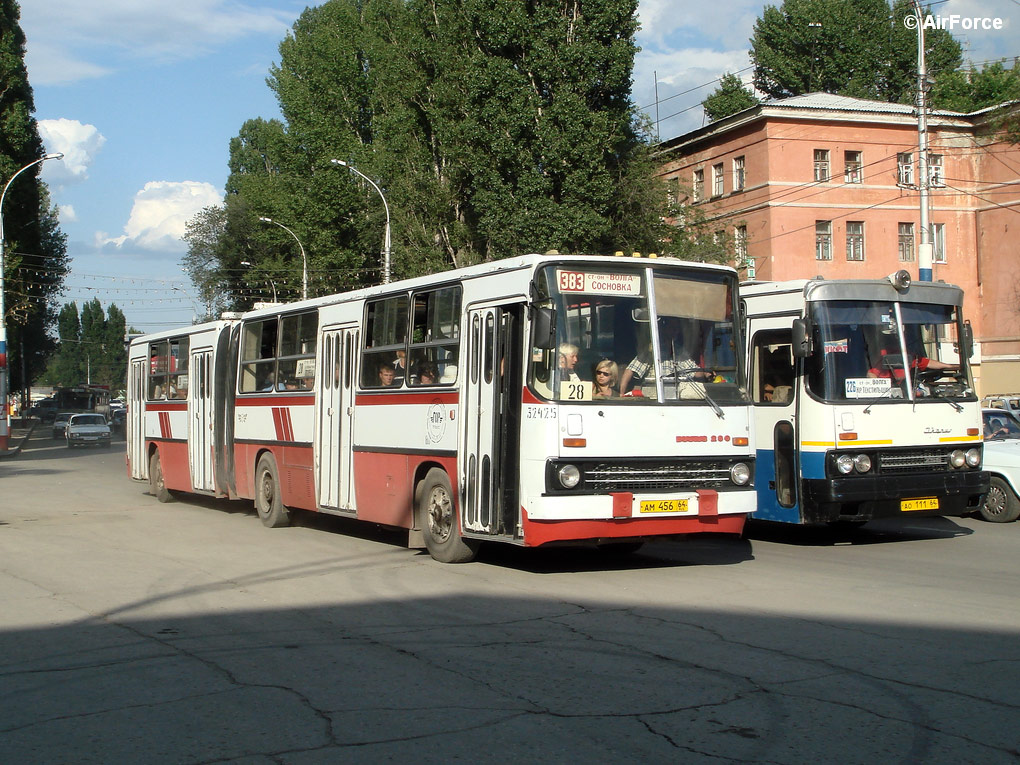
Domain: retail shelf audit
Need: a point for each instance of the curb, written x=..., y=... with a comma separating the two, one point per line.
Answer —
x=22, y=439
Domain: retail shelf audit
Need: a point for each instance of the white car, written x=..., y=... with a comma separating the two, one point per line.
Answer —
x=1002, y=460
x=87, y=430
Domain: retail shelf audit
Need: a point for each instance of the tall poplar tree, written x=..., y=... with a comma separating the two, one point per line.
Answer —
x=493, y=128
x=36, y=250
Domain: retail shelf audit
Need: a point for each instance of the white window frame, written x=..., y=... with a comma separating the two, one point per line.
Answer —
x=823, y=240
x=938, y=240
x=739, y=174
x=936, y=172
x=698, y=185
x=905, y=242
x=821, y=159
x=718, y=180
x=855, y=241
x=905, y=169
x=853, y=171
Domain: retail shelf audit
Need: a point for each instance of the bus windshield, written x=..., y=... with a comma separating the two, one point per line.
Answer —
x=869, y=350
x=619, y=341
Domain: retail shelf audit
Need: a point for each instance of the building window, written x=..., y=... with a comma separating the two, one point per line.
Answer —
x=740, y=243
x=936, y=175
x=904, y=170
x=738, y=173
x=822, y=165
x=905, y=242
x=855, y=240
x=823, y=240
x=717, y=180
x=698, y=187
x=852, y=172
x=939, y=243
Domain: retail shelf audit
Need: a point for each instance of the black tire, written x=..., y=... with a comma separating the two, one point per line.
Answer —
x=1001, y=504
x=268, y=499
x=437, y=517
x=157, y=486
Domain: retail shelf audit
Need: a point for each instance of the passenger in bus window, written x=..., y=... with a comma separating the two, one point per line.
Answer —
x=269, y=382
x=387, y=376
x=606, y=376
x=568, y=360
x=427, y=374
x=676, y=360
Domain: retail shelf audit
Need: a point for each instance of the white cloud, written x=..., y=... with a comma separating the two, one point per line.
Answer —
x=79, y=144
x=117, y=32
x=159, y=215
x=67, y=214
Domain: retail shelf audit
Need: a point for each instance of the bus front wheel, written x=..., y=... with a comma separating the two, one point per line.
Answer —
x=438, y=518
x=268, y=499
x=157, y=485
x=1001, y=504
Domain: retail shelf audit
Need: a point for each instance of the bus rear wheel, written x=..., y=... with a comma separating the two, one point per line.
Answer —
x=1001, y=504
x=438, y=518
x=268, y=499
x=157, y=484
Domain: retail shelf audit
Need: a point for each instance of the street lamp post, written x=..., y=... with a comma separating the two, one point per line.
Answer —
x=386, y=237
x=304, y=260
x=271, y=282
x=5, y=425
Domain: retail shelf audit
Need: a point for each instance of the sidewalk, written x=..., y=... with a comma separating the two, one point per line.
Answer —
x=21, y=429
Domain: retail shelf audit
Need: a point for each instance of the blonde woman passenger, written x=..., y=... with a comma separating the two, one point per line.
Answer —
x=605, y=379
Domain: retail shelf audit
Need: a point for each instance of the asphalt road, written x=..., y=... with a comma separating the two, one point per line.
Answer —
x=132, y=631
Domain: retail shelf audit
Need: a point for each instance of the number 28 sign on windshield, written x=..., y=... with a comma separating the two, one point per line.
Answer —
x=599, y=283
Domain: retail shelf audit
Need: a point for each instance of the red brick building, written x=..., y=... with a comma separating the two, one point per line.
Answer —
x=827, y=185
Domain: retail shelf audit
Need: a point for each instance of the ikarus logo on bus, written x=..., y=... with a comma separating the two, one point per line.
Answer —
x=435, y=423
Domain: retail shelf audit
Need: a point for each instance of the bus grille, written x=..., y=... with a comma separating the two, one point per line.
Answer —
x=914, y=461
x=668, y=476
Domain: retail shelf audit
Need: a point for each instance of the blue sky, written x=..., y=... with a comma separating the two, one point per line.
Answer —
x=143, y=98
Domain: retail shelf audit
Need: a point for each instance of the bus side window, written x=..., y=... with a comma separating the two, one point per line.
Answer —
x=383, y=359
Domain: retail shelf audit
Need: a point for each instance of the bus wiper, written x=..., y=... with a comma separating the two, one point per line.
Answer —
x=883, y=397
x=949, y=401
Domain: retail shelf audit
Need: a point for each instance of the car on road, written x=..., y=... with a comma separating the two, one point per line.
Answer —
x=1002, y=460
x=60, y=423
x=87, y=430
x=1008, y=401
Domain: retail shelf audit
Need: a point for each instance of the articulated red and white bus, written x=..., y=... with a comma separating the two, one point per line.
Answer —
x=465, y=406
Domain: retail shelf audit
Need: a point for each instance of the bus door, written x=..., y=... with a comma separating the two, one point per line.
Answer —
x=491, y=412
x=334, y=417
x=200, y=421
x=134, y=428
x=775, y=421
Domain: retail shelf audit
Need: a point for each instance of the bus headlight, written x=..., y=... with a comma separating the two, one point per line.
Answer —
x=845, y=464
x=973, y=457
x=740, y=474
x=957, y=458
x=569, y=476
x=862, y=463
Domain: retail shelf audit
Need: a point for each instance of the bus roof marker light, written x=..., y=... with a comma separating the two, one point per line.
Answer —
x=900, y=280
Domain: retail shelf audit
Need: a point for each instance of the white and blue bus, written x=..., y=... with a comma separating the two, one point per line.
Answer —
x=863, y=402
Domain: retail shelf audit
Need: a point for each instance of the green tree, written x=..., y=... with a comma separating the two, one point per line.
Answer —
x=848, y=47
x=730, y=97
x=493, y=127
x=36, y=261
x=67, y=365
x=971, y=89
x=114, y=372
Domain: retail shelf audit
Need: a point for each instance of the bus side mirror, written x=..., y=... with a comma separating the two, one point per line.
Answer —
x=967, y=341
x=803, y=345
x=543, y=327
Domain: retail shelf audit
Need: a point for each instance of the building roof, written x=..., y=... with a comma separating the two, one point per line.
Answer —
x=823, y=106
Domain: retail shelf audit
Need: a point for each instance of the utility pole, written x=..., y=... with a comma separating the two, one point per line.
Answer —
x=925, y=248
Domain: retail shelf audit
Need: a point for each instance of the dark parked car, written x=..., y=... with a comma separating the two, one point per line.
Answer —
x=60, y=423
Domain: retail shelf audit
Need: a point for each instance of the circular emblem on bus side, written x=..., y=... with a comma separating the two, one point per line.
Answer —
x=435, y=426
